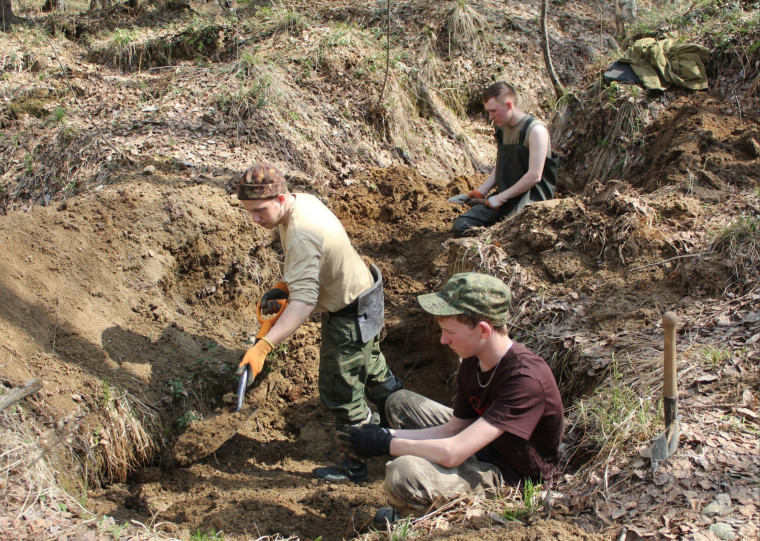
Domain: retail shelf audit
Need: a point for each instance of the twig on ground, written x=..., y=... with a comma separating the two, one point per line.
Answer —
x=8, y=399
x=683, y=256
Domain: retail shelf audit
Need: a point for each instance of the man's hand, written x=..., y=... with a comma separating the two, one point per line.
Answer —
x=268, y=303
x=254, y=358
x=368, y=440
x=475, y=198
x=494, y=202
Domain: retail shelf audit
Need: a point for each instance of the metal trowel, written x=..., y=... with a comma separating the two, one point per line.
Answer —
x=460, y=199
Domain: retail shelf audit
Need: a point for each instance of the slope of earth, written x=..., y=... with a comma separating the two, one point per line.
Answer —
x=154, y=300
x=131, y=297
x=201, y=94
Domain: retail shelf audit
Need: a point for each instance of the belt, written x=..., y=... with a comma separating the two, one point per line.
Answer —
x=348, y=310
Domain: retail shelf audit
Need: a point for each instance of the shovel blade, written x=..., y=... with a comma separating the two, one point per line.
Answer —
x=665, y=444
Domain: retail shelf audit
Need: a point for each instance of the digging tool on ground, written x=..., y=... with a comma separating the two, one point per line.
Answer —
x=265, y=324
x=207, y=435
x=665, y=444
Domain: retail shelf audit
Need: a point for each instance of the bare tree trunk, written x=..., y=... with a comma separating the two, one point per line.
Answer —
x=559, y=90
x=51, y=5
x=7, y=18
x=625, y=11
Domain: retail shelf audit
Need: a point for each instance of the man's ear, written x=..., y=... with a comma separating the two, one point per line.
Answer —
x=485, y=329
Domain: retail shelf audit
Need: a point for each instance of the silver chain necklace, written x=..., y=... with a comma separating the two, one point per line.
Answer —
x=477, y=374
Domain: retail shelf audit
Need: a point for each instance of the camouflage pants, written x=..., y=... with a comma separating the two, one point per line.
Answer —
x=346, y=367
x=416, y=485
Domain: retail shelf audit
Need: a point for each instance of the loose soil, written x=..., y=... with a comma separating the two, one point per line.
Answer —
x=149, y=283
x=138, y=297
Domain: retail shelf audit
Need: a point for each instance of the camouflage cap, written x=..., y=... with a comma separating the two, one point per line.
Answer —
x=262, y=181
x=473, y=294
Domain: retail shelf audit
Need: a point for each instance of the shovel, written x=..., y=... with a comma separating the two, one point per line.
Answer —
x=246, y=378
x=665, y=444
x=207, y=435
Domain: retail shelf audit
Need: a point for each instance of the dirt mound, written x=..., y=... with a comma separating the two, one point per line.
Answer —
x=697, y=146
x=131, y=296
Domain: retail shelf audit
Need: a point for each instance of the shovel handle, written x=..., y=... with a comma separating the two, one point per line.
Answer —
x=669, y=387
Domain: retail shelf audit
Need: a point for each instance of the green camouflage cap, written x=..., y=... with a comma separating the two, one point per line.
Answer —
x=262, y=181
x=477, y=295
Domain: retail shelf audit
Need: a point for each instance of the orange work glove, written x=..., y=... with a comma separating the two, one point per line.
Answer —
x=254, y=358
x=268, y=303
x=475, y=194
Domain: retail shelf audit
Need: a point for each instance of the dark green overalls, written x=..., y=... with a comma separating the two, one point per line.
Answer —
x=512, y=162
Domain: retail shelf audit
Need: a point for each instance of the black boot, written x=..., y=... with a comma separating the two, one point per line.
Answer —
x=378, y=395
x=353, y=470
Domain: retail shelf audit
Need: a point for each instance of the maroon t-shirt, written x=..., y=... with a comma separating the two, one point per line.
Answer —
x=523, y=400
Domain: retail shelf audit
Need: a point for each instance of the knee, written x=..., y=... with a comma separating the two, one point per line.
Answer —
x=395, y=405
x=405, y=483
x=461, y=226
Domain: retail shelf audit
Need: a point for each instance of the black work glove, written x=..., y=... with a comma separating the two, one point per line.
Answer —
x=268, y=303
x=368, y=440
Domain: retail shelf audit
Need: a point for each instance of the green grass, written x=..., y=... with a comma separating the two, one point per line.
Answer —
x=745, y=230
x=616, y=413
x=739, y=242
x=525, y=508
x=186, y=418
x=59, y=113
x=720, y=24
x=716, y=357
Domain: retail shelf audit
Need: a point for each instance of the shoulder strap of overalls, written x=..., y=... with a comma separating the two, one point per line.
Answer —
x=524, y=130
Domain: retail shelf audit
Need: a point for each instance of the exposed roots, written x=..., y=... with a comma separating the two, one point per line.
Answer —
x=740, y=244
x=466, y=28
x=123, y=444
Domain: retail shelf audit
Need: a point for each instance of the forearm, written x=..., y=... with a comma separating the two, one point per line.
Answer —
x=488, y=184
x=441, y=451
x=432, y=433
x=526, y=182
x=436, y=443
x=294, y=315
x=448, y=445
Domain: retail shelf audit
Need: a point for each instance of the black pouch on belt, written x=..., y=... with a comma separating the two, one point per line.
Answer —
x=370, y=307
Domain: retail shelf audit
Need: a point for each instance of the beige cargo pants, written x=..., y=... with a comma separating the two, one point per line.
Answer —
x=416, y=485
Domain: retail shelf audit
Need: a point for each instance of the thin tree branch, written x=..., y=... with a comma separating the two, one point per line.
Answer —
x=387, y=56
x=559, y=90
x=669, y=259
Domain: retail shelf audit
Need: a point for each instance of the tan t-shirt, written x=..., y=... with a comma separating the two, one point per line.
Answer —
x=322, y=269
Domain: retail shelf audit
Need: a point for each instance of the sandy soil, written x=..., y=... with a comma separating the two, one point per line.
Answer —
x=150, y=285
x=135, y=300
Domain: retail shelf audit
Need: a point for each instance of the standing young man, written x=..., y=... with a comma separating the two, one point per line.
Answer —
x=526, y=167
x=507, y=420
x=324, y=274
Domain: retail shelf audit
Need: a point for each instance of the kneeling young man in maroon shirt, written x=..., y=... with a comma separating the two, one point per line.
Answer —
x=507, y=420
